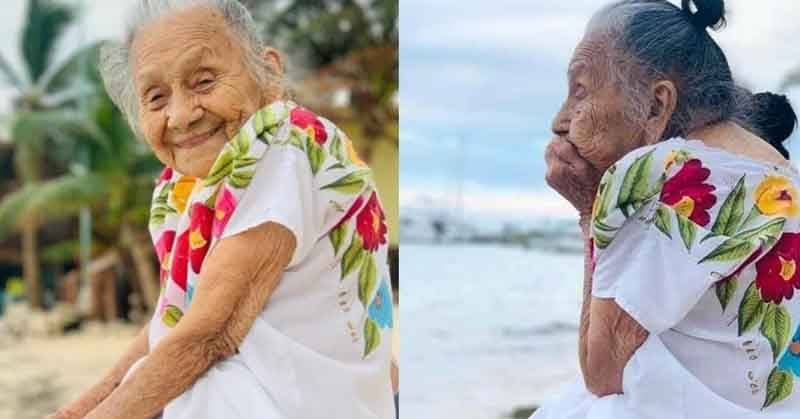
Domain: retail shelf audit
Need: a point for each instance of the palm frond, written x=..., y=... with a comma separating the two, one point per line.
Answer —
x=791, y=79
x=82, y=64
x=10, y=76
x=45, y=22
x=57, y=123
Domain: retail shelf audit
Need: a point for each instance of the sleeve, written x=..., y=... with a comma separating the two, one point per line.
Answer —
x=281, y=192
x=666, y=227
x=306, y=180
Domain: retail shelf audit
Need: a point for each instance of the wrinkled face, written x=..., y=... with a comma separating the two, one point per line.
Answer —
x=592, y=116
x=194, y=88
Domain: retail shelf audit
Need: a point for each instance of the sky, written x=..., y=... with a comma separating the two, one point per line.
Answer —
x=480, y=82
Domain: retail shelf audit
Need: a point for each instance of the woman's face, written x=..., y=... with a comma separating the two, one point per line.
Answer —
x=194, y=88
x=592, y=117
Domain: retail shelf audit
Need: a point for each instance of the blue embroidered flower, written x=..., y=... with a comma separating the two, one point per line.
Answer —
x=189, y=294
x=791, y=359
x=380, y=310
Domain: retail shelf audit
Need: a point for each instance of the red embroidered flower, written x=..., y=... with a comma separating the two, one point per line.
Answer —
x=199, y=234
x=371, y=224
x=163, y=247
x=688, y=195
x=777, y=274
x=309, y=122
x=351, y=211
x=223, y=209
x=180, y=260
x=166, y=174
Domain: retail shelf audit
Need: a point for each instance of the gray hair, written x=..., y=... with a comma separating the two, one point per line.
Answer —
x=653, y=40
x=114, y=62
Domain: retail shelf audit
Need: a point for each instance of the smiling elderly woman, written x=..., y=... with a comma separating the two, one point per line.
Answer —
x=692, y=225
x=275, y=299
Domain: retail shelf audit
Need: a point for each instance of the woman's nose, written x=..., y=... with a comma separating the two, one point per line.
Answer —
x=183, y=112
x=561, y=123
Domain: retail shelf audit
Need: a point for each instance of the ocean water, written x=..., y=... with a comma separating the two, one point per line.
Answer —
x=485, y=328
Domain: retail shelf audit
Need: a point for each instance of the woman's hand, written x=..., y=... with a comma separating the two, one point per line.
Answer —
x=571, y=175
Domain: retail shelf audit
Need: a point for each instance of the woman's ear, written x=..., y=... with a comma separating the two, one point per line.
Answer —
x=664, y=101
x=272, y=57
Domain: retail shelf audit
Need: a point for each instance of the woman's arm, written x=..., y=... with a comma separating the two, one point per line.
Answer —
x=608, y=336
x=97, y=393
x=233, y=288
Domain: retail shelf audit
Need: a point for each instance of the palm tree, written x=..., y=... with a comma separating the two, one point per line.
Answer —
x=115, y=182
x=43, y=89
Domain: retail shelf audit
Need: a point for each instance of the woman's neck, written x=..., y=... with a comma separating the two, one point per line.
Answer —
x=732, y=137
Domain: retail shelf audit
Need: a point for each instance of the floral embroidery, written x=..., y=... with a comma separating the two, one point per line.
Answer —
x=687, y=193
x=776, y=196
x=200, y=234
x=380, y=310
x=776, y=272
x=345, y=183
x=223, y=209
x=309, y=122
x=371, y=224
x=688, y=204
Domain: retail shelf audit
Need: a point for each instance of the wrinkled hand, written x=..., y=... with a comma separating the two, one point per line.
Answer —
x=64, y=414
x=571, y=175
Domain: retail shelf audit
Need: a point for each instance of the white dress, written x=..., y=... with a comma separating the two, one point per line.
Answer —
x=702, y=247
x=321, y=347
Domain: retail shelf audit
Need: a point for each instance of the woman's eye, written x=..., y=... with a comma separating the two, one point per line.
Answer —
x=204, y=83
x=155, y=100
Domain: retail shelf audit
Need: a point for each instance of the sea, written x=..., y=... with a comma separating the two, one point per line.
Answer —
x=486, y=328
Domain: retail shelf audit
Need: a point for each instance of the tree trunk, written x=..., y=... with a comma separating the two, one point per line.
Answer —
x=143, y=263
x=30, y=263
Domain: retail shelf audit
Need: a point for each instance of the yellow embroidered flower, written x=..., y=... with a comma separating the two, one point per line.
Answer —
x=182, y=191
x=351, y=152
x=196, y=239
x=777, y=196
x=788, y=269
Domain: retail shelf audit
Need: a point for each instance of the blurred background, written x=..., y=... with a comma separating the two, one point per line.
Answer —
x=492, y=258
x=78, y=276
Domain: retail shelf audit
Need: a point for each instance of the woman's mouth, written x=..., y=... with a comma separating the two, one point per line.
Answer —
x=196, y=139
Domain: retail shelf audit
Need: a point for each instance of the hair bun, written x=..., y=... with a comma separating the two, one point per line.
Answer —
x=775, y=116
x=709, y=13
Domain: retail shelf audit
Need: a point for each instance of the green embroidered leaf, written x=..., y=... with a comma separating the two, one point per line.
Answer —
x=243, y=162
x=367, y=279
x=779, y=386
x=767, y=233
x=599, y=225
x=353, y=256
x=337, y=236
x=731, y=211
x=172, y=315
x=603, y=197
x=316, y=154
x=372, y=336
x=221, y=168
x=751, y=310
x=241, y=143
x=296, y=138
x=776, y=327
x=336, y=147
x=688, y=230
x=241, y=178
x=350, y=184
x=751, y=216
x=725, y=290
x=731, y=249
x=634, y=184
x=662, y=221
x=601, y=241
x=335, y=166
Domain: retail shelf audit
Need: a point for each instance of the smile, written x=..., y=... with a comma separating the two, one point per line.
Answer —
x=195, y=140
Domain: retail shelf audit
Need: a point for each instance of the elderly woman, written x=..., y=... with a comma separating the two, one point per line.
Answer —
x=275, y=299
x=692, y=225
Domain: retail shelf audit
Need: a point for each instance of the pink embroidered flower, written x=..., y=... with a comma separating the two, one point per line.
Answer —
x=163, y=247
x=309, y=122
x=200, y=223
x=223, y=209
x=166, y=174
x=180, y=260
x=371, y=224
